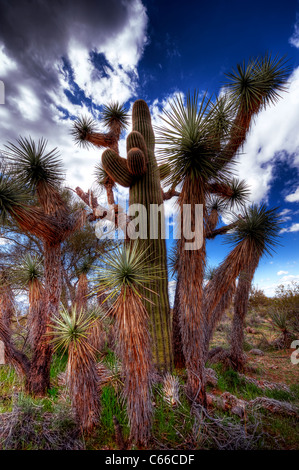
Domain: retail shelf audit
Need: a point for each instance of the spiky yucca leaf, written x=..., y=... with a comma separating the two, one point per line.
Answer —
x=101, y=176
x=12, y=196
x=164, y=171
x=83, y=126
x=189, y=140
x=28, y=270
x=71, y=332
x=259, y=227
x=171, y=390
x=216, y=203
x=72, y=329
x=222, y=114
x=33, y=165
x=85, y=265
x=114, y=113
x=279, y=319
x=258, y=83
x=126, y=267
x=210, y=272
x=239, y=193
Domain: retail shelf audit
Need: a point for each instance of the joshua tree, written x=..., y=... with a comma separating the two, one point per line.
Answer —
x=28, y=274
x=12, y=354
x=252, y=88
x=139, y=172
x=192, y=149
x=260, y=227
x=82, y=286
x=126, y=274
x=71, y=333
x=199, y=143
x=35, y=173
x=254, y=235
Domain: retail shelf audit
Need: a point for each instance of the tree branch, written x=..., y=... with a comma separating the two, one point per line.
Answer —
x=222, y=230
x=169, y=194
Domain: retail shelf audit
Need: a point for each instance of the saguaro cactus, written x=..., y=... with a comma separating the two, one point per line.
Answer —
x=139, y=172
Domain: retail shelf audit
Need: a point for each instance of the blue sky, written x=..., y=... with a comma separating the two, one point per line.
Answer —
x=61, y=59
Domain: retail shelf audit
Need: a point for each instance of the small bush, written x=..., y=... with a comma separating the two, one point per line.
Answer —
x=33, y=427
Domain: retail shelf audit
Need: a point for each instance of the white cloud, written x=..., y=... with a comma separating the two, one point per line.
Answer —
x=122, y=52
x=6, y=63
x=292, y=228
x=4, y=241
x=290, y=278
x=294, y=197
x=273, y=136
x=294, y=39
x=27, y=103
x=270, y=288
x=285, y=212
x=280, y=273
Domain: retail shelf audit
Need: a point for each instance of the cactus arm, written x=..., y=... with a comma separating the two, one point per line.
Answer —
x=136, y=140
x=136, y=162
x=142, y=123
x=117, y=168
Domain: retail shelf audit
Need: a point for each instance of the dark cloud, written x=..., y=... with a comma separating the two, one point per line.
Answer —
x=36, y=33
x=58, y=60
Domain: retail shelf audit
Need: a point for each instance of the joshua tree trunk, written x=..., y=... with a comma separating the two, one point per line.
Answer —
x=237, y=356
x=36, y=293
x=38, y=380
x=217, y=314
x=134, y=348
x=82, y=292
x=83, y=382
x=178, y=355
x=191, y=267
x=12, y=356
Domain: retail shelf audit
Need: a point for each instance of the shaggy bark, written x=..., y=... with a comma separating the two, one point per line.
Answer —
x=133, y=346
x=82, y=381
x=12, y=356
x=82, y=292
x=191, y=267
x=237, y=356
x=217, y=315
x=36, y=293
x=178, y=355
x=38, y=379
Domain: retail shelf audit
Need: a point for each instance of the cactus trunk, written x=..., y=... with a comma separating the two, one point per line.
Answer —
x=146, y=190
x=140, y=173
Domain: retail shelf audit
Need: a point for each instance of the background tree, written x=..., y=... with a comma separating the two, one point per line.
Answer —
x=261, y=227
x=199, y=143
x=34, y=177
